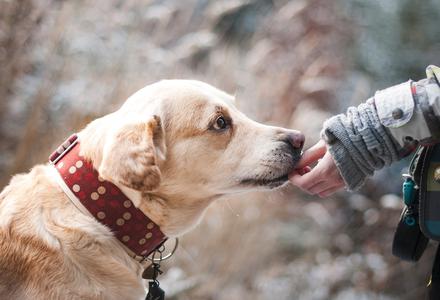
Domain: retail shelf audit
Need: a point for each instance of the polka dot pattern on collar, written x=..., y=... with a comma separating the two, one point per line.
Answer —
x=106, y=202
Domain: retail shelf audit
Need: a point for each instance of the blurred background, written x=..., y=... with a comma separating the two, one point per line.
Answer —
x=290, y=63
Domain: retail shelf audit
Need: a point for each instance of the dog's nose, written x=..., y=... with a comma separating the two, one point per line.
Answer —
x=295, y=138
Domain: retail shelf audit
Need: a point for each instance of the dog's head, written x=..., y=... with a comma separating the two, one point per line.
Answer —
x=182, y=139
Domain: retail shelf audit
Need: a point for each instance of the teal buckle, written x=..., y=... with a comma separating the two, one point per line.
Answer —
x=410, y=221
x=408, y=190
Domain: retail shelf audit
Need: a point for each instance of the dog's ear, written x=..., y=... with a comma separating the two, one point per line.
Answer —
x=131, y=153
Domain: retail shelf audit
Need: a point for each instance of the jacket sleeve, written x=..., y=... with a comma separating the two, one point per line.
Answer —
x=411, y=110
x=385, y=128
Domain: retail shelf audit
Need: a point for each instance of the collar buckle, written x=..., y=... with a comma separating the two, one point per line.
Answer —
x=63, y=149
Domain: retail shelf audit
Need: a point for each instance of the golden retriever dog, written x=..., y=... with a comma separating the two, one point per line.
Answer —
x=173, y=148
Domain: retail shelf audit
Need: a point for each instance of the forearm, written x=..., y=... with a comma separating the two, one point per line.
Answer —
x=359, y=144
x=384, y=129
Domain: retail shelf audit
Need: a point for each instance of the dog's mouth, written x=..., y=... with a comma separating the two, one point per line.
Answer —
x=271, y=180
x=278, y=170
x=267, y=182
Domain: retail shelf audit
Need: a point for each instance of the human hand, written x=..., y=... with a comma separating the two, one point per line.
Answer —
x=324, y=179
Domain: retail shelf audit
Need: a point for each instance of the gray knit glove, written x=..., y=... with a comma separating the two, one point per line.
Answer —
x=359, y=143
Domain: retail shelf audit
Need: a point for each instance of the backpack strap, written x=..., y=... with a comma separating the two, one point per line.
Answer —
x=430, y=193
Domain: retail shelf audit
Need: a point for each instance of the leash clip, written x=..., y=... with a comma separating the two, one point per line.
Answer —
x=153, y=271
x=161, y=249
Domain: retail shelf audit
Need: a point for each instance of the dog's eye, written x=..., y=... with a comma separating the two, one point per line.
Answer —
x=220, y=123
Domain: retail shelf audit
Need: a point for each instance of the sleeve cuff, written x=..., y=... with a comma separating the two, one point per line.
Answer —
x=352, y=176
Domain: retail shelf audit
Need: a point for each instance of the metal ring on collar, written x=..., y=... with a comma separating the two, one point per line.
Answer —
x=153, y=259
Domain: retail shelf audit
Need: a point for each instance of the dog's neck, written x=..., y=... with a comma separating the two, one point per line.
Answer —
x=173, y=219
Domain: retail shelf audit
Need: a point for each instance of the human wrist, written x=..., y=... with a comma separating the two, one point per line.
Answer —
x=350, y=172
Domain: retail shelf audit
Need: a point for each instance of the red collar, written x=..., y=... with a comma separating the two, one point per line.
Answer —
x=105, y=201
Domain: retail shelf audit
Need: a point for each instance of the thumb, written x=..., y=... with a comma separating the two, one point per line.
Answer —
x=312, y=154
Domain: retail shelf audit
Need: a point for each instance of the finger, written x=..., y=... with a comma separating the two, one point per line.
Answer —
x=296, y=172
x=304, y=170
x=306, y=181
x=296, y=180
x=323, y=186
x=317, y=187
x=301, y=172
x=301, y=181
x=320, y=173
x=312, y=154
x=331, y=191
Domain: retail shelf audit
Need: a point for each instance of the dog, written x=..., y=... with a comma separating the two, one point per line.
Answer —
x=172, y=149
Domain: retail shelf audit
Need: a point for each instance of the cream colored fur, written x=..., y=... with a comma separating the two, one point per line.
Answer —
x=163, y=149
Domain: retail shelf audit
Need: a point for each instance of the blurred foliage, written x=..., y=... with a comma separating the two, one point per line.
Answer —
x=394, y=39
x=290, y=63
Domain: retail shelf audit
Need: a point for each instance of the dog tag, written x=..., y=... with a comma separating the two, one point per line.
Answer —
x=152, y=272
x=155, y=292
x=149, y=273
